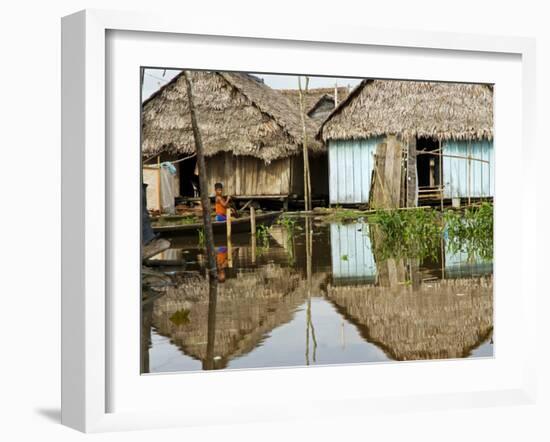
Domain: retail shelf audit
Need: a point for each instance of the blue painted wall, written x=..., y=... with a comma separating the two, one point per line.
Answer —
x=351, y=252
x=350, y=168
x=455, y=170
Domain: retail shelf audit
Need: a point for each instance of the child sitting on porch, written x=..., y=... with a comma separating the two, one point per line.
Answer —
x=222, y=203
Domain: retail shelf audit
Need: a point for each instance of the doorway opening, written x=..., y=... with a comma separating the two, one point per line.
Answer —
x=427, y=163
x=189, y=180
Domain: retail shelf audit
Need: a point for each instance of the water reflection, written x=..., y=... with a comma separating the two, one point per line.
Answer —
x=313, y=294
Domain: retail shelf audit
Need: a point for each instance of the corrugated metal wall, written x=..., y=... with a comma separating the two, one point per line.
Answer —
x=350, y=168
x=455, y=170
x=351, y=252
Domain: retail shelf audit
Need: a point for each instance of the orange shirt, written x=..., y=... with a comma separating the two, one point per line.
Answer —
x=220, y=210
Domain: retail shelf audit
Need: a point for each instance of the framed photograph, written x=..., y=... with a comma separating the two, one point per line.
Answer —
x=262, y=224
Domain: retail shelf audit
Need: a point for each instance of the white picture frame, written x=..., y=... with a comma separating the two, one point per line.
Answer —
x=87, y=213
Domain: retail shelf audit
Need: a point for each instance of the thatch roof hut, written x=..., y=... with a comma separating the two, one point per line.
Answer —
x=439, y=320
x=252, y=134
x=422, y=116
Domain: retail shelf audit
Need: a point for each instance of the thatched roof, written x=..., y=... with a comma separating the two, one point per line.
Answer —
x=236, y=113
x=439, y=320
x=315, y=97
x=412, y=108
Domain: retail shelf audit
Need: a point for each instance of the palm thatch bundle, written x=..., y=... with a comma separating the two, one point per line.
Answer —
x=413, y=108
x=440, y=320
x=236, y=113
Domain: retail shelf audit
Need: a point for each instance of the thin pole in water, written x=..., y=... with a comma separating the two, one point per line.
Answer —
x=229, y=245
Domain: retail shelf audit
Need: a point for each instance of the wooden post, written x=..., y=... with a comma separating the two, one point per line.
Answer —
x=229, y=245
x=159, y=203
x=307, y=177
x=228, y=223
x=252, y=220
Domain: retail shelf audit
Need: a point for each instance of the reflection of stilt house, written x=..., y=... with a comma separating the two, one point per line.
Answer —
x=252, y=135
x=443, y=319
x=247, y=309
x=433, y=140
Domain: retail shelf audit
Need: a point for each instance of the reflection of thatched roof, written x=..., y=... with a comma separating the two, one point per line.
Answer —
x=248, y=307
x=413, y=108
x=444, y=319
x=236, y=113
x=315, y=97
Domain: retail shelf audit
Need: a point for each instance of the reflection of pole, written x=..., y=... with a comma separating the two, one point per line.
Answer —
x=146, y=321
x=207, y=220
x=469, y=173
x=253, y=239
x=442, y=258
x=441, y=175
x=208, y=364
x=309, y=322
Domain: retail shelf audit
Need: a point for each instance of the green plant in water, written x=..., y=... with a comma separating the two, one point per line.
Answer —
x=262, y=236
x=417, y=233
x=289, y=224
x=470, y=232
x=202, y=238
x=412, y=233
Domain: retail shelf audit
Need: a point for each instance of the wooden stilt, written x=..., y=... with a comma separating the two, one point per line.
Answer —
x=229, y=245
x=159, y=203
x=252, y=220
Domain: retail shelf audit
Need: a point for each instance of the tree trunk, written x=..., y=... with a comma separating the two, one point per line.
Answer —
x=205, y=201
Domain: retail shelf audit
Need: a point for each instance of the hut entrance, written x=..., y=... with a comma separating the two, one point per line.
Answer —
x=427, y=163
x=189, y=181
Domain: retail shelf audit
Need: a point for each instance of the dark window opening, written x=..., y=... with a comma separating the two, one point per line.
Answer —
x=427, y=164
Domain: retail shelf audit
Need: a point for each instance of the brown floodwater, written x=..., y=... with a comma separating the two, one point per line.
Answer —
x=283, y=303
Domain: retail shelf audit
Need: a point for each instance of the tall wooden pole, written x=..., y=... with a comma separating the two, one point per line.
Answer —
x=307, y=177
x=205, y=200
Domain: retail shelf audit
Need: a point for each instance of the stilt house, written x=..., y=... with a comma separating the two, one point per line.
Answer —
x=436, y=137
x=252, y=135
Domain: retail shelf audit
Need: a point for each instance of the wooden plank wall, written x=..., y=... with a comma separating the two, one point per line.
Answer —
x=386, y=193
x=245, y=175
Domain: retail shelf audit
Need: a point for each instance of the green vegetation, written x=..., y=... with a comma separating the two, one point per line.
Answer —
x=289, y=224
x=339, y=215
x=470, y=232
x=262, y=236
x=202, y=238
x=408, y=233
x=180, y=317
x=417, y=233
x=177, y=220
